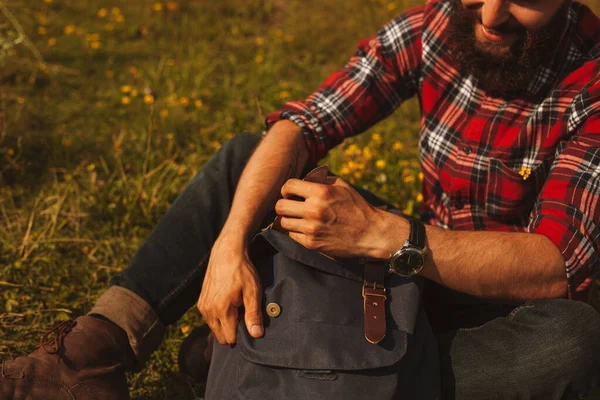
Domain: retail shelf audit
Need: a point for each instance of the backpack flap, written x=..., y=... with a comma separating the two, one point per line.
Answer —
x=319, y=323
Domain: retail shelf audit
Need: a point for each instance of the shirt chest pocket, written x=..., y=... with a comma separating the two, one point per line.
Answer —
x=510, y=195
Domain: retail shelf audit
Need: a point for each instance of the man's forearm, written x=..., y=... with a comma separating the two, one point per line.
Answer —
x=281, y=155
x=496, y=265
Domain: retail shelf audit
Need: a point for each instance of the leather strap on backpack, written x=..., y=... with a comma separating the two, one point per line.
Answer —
x=374, y=295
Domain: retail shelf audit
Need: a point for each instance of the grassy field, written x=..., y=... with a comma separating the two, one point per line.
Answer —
x=108, y=108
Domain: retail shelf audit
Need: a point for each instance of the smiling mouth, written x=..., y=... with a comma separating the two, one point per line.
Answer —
x=496, y=36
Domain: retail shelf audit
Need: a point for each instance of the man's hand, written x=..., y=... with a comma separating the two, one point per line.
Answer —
x=231, y=280
x=333, y=219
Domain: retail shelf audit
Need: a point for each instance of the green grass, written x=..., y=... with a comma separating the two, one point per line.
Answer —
x=104, y=118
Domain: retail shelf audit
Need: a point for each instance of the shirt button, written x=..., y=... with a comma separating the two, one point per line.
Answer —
x=459, y=205
x=273, y=310
x=467, y=150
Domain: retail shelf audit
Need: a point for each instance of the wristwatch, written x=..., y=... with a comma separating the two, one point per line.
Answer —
x=410, y=259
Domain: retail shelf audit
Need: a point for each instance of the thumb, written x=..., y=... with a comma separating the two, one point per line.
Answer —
x=252, y=313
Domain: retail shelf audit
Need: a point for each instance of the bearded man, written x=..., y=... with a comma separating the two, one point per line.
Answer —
x=510, y=151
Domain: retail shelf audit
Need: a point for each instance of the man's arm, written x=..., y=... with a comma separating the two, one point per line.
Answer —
x=231, y=280
x=495, y=265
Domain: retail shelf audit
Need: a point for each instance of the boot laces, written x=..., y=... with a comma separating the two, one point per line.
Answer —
x=59, y=331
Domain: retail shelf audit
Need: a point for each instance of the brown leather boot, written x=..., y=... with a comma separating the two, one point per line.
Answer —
x=86, y=359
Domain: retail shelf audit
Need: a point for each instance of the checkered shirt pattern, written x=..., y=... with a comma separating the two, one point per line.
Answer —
x=521, y=164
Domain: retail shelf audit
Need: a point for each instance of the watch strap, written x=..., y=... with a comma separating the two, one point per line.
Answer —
x=416, y=236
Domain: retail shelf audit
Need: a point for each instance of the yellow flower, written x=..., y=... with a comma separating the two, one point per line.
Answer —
x=352, y=150
x=103, y=12
x=172, y=100
x=133, y=70
x=180, y=171
x=42, y=30
x=198, y=103
x=288, y=38
x=47, y=1
x=391, y=6
x=91, y=167
x=352, y=165
x=278, y=33
x=10, y=152
x=284, y=94
x=157, y=7
x=69, y=29
x=380, y=164
x=184, y=101
x=397, y=146
x=376, y=137
x=419, y=197
x=172, y=6
x=258, y=59
x=67, y=143
x=95, y=45
x=91, y=37
x=170, y=62
x=149, y=99
x=409, y=179
x=357, y=174
x=420, y=176
x=403, y=163
x=125, y=99
x=186, y=329
x=133, y=93
x=21, y=100
x=119, y=18
x=52, y=42
x=260, y=41
x=345, y=171
x=125, y=89
x=164, y=113
x=42, y=19
x=367, y=154
x=43, y=67
x=115, y=11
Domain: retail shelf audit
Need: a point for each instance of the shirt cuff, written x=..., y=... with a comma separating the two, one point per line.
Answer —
x=578, y=252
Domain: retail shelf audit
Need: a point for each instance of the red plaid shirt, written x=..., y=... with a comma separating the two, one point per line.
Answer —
x=489, y=163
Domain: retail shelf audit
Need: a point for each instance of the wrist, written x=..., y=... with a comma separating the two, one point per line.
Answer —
x=392, y=231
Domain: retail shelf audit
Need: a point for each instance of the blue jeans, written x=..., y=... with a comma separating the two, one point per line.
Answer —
x=546, y=349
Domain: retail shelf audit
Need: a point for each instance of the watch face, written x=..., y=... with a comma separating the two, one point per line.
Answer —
x=409, y=262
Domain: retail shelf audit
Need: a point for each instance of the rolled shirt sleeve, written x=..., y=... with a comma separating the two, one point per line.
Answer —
x=567, y=210
x=383, y=72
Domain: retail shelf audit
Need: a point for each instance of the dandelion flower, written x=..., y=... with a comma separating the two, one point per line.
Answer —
x=149, y=99
x=42, y=30
x=125, y=89
x=95, y=45
x=69, y=29
x=345, y=171
x=164, y=113
x=115, y=11
x=376, y=137
x=259, y=59
x=92, y=37
x=357, y=174
x=380, y=164
x=391, y=6
x=367, y=153
x=103, y=12
x=198, y=103
x=172, y=6
x=119, y=18
x=125, y=99
x=289, y=38
x=133, y=93
x=284, y=94
x=420, y=176
x=48, y=1
x=91, y=167
x=133, y=70
x=186, y=329
x=52, y=42
x=21, y=100
x=260, y=41
x=180, y=171
x=409, y=179
x=397, y=146
x=279, y=33
x=170, y=62
x=184, y=101
x=10, y=152
x=419, y=197
x=158, y=7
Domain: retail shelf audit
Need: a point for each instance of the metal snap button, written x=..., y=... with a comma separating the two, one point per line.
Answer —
x=467, y=150
x=273, y=310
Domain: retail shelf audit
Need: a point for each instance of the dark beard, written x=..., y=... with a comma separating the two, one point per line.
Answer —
x=510, y=71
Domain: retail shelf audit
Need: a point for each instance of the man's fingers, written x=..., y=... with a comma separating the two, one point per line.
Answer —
x=252, y=313
x=297, y=225
x=290, y=208
x=296, y=187
x=229, y=324
x=215, y=327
